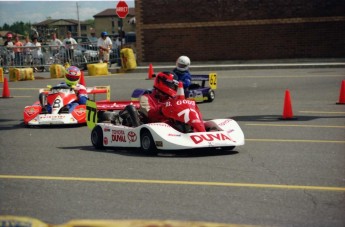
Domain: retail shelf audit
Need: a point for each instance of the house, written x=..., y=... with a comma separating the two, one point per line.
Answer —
x=108, y=21
x=60, y=27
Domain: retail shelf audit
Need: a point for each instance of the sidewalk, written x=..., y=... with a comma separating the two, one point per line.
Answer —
x=235, y=65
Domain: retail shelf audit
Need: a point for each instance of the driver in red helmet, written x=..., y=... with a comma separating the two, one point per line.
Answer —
x=72, y=77
x=165, y=87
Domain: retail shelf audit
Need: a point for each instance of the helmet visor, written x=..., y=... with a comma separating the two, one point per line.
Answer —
x=72, y=77
x=181, y=66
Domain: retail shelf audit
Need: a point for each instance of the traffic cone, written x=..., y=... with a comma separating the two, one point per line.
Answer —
x=287, y=111
x=180, y=91
x=150, y=72
x=6, y=90
x=82, y=80
x=342, y=94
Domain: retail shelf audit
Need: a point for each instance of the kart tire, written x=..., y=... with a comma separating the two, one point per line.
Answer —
x=97, y=137
x=147, y=144
x=210, y=96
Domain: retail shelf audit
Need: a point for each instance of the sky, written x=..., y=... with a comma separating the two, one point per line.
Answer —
x=37, y=11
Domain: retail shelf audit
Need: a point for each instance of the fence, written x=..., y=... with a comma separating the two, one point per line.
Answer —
x=40, y=58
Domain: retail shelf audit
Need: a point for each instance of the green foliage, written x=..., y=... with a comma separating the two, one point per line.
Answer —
x=18, y=27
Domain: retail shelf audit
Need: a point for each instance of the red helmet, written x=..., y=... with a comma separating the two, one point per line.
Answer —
x=165, y=83
x=9, y=35
x=72, y=75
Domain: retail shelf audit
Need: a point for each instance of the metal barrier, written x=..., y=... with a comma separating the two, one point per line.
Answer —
x=40, y=58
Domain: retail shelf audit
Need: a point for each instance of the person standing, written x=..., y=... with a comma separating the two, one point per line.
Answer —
x=104, y=44
x=37, y=54
x=55, y=45
x=70, y=44
x=18, y=51
x=27, y=51
x=9, y=55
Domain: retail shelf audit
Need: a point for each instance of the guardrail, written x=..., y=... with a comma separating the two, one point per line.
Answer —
x=40, y=58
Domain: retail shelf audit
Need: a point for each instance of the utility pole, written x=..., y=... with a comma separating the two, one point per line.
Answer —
x=79, y=32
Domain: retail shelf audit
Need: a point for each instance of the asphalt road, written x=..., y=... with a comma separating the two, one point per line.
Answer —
x=289, y=173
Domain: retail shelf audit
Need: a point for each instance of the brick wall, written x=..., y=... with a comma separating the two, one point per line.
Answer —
x=239, y=30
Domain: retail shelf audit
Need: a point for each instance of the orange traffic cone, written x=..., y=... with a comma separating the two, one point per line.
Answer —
x=342, y=94
x=82, y=79
x=6, y=90
x=287, y=111
x=180, y=91
x=150, y=73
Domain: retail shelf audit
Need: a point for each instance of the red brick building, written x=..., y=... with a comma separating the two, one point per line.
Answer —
x=211, y=30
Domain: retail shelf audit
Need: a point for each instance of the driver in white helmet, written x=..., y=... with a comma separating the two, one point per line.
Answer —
x=182, y=71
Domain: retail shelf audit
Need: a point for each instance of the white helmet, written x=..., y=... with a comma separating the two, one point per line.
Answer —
x=183, y=63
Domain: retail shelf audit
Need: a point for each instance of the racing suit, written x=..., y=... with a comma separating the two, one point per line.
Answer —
x=185, y=77
x=82, y=96
x=151, y=105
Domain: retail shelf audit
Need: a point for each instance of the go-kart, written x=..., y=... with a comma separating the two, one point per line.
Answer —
x=58, y=97
x=183, y=130
x=197, y=91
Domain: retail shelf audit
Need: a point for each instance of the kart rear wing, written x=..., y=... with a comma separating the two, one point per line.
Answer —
x=93, y=107
x=211, y=78
x=98, y=90
x=90, y=91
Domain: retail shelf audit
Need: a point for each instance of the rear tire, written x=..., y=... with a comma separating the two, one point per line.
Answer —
x=147, y=144
x=97, y=137
x=210, y=96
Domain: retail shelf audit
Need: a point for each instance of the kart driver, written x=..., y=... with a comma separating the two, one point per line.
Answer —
x=182, y=71
x=165, y=87
x=72, y=77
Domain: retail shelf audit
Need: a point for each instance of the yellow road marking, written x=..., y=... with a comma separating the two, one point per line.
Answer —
x=307, y=126
x=201, y=183
x=296, y=141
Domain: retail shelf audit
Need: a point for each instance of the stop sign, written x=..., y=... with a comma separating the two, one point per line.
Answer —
x=122, y=9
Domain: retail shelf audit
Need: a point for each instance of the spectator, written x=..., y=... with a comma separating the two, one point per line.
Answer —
x=37, y=52
x=18, y=51
x=9, y=55
x=93, y=38
x=27, y=51
x=55, y=45
x=70, y=44
x=104, y=44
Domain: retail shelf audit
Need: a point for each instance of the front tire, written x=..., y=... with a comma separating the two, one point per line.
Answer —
x=147, y=143
x=97, y=137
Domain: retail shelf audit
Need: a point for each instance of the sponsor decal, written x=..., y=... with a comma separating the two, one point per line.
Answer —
x=224, y=122
x=160, y=124
x=106, y=129
x=132, y=137
x=171, y=134
x=118, y=136
x=52, y=117
x=80, y=111
x=180, y=102
x=105, y=140
x=210, y=137
x=30, y=111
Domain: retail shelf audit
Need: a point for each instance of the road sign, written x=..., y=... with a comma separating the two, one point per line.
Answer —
x=122, y=9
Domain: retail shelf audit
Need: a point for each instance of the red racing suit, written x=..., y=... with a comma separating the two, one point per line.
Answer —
x=151, y=105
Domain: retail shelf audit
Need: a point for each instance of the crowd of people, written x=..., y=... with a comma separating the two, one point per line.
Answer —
x=32, y=52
